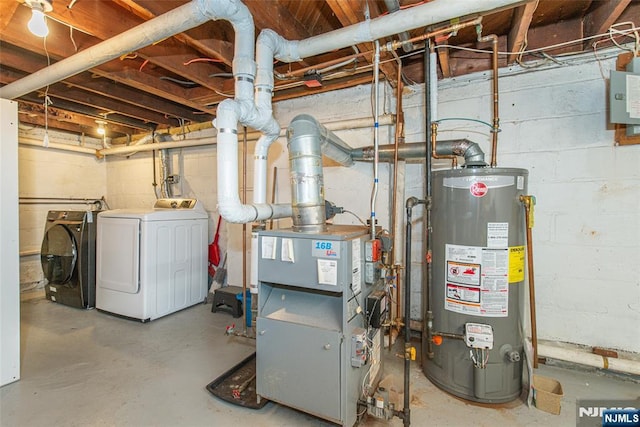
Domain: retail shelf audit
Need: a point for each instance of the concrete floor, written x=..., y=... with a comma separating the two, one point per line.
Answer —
x=86, y=368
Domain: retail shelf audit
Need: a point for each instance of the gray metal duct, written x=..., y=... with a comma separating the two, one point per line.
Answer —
x=471, y=151
x=307, y=141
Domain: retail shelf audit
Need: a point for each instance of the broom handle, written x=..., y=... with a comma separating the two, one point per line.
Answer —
x=217, y=236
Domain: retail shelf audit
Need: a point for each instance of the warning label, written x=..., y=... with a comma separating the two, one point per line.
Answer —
x=463, y=293
x=516, y=264
x=461, y=272
x=477, y=280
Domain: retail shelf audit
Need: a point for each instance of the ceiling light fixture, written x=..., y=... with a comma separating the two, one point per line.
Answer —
x=101, y=128
x=38, y=24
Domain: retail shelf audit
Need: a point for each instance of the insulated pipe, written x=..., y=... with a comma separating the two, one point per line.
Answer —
x=393, y=6
x=166, y=25
x=404, y=20
x=589, y=359
x=350, y=124
x=471, y=151
x=376, y=136
x=229, y=204
x=34, y=142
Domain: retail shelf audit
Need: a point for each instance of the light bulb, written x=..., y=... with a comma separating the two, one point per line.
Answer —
x=37, y=24
x=101, y=130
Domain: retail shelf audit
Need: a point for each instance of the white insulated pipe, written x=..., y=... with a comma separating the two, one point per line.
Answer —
x=423, y=15
x=34, y=142
x=166, y=25
x=589, y=359
x=139, y=146
x=376, y=136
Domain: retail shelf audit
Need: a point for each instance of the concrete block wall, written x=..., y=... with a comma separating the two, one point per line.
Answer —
x=45, y=172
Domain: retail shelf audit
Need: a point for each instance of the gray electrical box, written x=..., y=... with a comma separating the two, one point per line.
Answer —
x=624, y=95
x=311, y=336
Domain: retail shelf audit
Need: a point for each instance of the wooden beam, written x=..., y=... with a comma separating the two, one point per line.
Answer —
x=522, y=16
x=101, y=94
x=103, y=21
x=603, y=15
x=443, y=59
x=60, y=118
x=58, y=47
x=216, y=51
x=7, y=11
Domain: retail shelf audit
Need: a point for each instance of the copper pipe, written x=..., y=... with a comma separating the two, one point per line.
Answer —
x=496, y=117
x=434, y=154
x=300, y=72
x=394, y=45
x=399, y=138
x=451, y=28
x=529, y=202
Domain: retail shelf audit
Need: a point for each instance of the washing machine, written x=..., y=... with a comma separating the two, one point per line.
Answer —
x=152, y=262
x=68, y=257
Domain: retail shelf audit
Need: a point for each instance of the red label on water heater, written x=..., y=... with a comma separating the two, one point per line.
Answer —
x=478, y=189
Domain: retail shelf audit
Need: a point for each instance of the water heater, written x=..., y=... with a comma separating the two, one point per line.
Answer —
x=472, y=343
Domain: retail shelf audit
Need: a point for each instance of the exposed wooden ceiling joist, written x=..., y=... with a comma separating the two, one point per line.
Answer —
x=522, y=17
x=153, y=86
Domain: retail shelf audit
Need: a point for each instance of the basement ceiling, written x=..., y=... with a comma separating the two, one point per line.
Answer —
x=181, y=80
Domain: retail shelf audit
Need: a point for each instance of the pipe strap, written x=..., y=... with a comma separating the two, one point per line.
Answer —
x=228, y=130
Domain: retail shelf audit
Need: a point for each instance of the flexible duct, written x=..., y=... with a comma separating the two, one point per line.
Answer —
x=471, y=151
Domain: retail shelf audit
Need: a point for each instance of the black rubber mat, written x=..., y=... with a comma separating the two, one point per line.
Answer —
x=238, y=385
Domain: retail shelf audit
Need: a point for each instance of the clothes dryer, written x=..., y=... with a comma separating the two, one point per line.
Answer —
x=68, y=258
x=151, y=263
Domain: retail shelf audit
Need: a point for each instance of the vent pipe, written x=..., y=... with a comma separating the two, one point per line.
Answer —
x=471, y=151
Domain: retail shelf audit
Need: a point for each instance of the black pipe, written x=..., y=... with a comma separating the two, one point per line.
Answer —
x=406, y=413
x=426, y=335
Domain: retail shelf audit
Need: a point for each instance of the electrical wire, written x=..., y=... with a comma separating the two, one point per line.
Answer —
x=356, y=216
x=180, y=82
x=202, y=60
x=466, y=120
x=47, y=101
x=75, y=46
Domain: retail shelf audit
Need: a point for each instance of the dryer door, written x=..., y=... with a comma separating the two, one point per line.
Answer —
x=58, y=254
x=118, y=254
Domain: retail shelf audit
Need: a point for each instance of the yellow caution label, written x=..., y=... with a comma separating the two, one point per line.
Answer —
x=516, y=264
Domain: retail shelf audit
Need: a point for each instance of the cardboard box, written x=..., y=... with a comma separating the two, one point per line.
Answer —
x=547, y=394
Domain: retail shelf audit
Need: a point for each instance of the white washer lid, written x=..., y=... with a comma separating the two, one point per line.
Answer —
x=163, y=210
